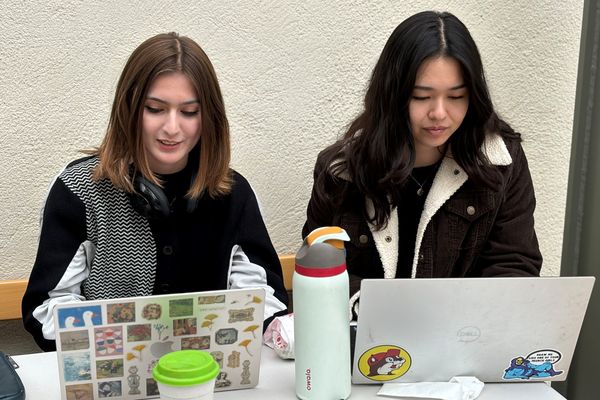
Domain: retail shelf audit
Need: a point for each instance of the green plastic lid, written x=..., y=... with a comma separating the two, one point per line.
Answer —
x=185, y=368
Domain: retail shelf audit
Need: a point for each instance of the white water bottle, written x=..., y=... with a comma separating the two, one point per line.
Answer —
x=321, y=322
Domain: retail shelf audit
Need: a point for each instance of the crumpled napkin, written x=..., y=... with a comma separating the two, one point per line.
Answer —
x=458, y=388
x=279, y=336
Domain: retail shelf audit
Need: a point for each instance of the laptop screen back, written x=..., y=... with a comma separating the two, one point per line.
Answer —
x=107, y=348
x=496, y=329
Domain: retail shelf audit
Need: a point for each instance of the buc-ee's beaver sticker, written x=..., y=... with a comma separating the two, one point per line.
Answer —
x=384, y=363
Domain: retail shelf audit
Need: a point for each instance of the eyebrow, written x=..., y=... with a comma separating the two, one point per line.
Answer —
x=461, y=86
x=166, y=102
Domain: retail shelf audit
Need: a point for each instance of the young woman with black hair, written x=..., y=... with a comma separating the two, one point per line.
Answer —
x=428, y=181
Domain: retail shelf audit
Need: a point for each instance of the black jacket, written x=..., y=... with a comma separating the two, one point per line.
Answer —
x=94, y=245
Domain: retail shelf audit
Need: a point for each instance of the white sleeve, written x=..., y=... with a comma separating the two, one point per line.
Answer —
x=68, y=288
x=245, y=274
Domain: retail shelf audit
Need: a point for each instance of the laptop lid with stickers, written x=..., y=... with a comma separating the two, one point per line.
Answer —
x=496, y=329
x=107, y=348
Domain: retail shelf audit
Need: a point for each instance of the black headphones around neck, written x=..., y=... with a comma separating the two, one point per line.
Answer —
x=150, y=200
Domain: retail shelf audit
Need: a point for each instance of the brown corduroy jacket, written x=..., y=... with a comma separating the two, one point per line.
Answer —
x=465, y=230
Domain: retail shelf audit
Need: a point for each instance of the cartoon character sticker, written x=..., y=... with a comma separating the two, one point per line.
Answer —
x=539, y=364
x=384, y=363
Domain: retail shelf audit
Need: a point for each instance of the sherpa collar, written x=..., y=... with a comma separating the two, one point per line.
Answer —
x=448, y=179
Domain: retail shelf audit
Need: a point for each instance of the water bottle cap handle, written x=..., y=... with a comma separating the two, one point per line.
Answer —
x=334, y=235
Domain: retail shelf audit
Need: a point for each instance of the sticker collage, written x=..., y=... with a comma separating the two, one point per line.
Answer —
x=108, y=348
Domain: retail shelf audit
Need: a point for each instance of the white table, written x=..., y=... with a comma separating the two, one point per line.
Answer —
x=39, y=374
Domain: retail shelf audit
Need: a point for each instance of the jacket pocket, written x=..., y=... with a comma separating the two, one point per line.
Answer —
x=467, y=219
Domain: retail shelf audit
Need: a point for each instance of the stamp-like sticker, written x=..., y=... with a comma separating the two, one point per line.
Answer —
x=218, y=299
x=108, y=341
x=195, y=343
x=77, y=367
x=139, y=333
x=74, y=340
x=222, y=380
x=218, y=356
x=112, y=368
x=82, y=391
x=79, y=317
x=184, y=326
x=384, y=363
x=245, y=314
x=538, y=364
x=120, y=312
x=152, y=311
x=233, y=360
x=151, y=387
x=226, y=336
x=109, y=389
x=181, y=308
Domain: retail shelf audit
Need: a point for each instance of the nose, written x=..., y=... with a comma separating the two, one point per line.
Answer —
x=171, y=126
x=437, y=112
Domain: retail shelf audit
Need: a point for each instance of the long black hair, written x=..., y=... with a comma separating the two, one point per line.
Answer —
x=377, y=151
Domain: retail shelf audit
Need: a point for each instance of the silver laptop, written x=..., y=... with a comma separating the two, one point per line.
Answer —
x=496, y=329
x=107, y=348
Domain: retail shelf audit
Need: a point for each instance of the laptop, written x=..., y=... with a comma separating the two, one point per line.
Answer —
x=107, y=348
x=496, y=329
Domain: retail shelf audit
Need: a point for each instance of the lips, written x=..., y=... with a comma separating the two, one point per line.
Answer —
x=436, y=130
x=168, y=144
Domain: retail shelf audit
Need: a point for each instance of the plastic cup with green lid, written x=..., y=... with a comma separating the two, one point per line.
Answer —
x=186, y=375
